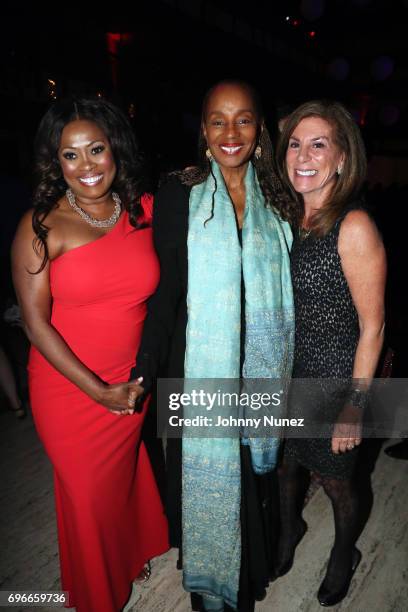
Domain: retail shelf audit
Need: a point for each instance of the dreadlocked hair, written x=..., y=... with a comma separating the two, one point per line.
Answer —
x=269, y=181
x=50, y=185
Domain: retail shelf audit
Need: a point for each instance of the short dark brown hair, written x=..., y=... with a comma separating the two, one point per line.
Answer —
x=347, y=137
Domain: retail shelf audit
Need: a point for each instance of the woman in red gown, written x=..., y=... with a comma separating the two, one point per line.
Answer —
x=84, y=266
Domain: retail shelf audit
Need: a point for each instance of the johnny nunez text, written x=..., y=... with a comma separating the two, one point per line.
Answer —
x=205, y=421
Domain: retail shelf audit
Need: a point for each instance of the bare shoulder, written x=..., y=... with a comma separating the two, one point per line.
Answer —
x=23, y=253
x=26, y=237
x=358, y=233
x=52, y=218
x=25, y=226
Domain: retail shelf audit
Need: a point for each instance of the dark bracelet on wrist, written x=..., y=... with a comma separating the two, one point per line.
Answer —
x=358, y=398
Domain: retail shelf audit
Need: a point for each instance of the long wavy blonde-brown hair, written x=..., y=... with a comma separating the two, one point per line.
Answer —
x=348, y=138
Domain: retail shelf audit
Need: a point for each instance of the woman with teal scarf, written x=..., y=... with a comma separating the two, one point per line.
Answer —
x=223, y=309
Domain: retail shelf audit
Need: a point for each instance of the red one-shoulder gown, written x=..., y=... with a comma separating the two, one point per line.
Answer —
x=109, y=515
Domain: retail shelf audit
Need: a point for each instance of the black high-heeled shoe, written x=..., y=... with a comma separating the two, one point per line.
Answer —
x=398, y=451
x=331, y=598
x=145, y=573
x=284, y=566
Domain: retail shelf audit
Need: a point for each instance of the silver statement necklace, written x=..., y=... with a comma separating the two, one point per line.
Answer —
x=91, y=220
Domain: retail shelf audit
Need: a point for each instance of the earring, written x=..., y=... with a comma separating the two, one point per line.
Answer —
x=208, y=155
x=258, y=152
x=339, y=169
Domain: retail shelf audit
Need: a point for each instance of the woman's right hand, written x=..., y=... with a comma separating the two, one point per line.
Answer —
x=120, y=398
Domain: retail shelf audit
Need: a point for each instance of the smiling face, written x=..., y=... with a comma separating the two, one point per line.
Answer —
x=312, y=159
x=230, y=125
x=86, y=160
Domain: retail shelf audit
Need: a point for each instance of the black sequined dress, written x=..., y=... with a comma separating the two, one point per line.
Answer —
x=327, y=334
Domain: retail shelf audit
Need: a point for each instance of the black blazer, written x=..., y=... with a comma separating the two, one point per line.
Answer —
x=163, y=344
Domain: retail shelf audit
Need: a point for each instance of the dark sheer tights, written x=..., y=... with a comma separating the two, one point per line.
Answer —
x=344, y=499
x=293, y=483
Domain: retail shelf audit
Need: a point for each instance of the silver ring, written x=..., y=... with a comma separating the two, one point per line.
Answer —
x=350, y=446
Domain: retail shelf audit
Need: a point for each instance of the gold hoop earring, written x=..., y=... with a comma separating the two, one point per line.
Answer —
x=258, y=152
x=208, y=155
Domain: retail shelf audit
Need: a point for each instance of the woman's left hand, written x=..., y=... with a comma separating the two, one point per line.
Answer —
x=136, y=391
x=347, y=430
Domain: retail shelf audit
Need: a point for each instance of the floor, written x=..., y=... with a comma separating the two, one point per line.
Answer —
x=29, y=557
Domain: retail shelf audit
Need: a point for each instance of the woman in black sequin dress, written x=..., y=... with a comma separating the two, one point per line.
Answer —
x=338, y=270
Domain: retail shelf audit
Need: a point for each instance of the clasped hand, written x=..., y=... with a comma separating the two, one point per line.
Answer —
x=121, y=398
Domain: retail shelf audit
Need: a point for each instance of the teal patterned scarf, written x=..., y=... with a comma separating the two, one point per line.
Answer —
x=211, y=466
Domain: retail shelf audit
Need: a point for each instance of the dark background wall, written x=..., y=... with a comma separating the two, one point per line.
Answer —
x=156, y=58
x=167, y=53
